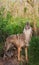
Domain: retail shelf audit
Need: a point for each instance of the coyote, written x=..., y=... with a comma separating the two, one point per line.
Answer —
x=20, y=40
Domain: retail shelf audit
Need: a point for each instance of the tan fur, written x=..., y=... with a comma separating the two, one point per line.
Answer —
x=19, y=40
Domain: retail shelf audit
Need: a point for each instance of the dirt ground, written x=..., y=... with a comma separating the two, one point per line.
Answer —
x=11, y=61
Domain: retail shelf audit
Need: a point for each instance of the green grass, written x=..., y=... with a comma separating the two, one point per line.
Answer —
x=11, y=25
x=1, y=48
x=34, y=51
x=37, y=20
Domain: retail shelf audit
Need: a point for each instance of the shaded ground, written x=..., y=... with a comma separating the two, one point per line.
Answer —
x=10, y=61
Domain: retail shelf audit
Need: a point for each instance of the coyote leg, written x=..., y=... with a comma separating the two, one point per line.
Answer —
x=26, y=54
x=18, y=54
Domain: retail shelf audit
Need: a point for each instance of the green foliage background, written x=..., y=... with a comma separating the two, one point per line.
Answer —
x=10, y=25
x=34, y=51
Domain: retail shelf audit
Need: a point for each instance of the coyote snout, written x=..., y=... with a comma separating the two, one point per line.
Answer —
x=20, y=40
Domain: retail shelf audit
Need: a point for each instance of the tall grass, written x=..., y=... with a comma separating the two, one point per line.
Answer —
x=34, y=51
x=10, y=25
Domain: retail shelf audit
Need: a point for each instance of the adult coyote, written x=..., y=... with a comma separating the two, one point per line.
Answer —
x=20, y=40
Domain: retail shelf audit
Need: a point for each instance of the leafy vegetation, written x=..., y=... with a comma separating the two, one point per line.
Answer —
x=34, y=51
x=10, y=25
